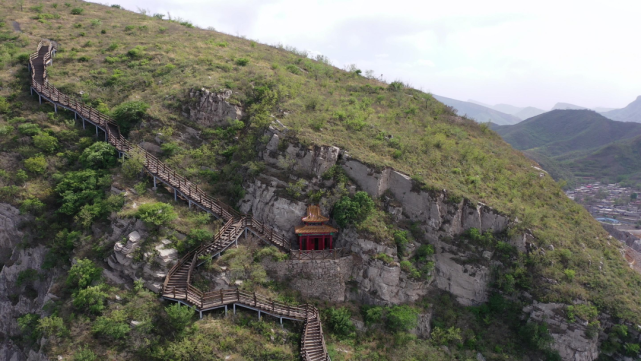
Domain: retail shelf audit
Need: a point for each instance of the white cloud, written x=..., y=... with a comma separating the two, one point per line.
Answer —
x=494, y=51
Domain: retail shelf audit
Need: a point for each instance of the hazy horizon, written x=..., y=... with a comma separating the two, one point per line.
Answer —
x=493, y=52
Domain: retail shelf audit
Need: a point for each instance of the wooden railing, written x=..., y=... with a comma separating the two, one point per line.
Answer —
x=235, y=222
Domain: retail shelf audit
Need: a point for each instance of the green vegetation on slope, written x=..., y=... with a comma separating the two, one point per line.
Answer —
x=110, y=56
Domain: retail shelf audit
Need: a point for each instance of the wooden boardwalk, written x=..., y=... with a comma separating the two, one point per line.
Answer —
x=177, y=285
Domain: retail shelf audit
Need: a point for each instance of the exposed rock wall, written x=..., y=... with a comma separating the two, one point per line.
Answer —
x=14, y=301
x=569, y=338
x=314, y=160
x=323, y=279
x=262, y=200
x=211, y=109
x=128, y=264
x=10, y=236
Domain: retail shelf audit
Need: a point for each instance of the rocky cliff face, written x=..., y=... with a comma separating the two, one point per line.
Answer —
x=569, y=338
x=19, y=299
x=211, y=109
x=129, y=263
x=434, y=212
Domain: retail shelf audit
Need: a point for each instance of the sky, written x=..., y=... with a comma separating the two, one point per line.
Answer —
x=533, y=53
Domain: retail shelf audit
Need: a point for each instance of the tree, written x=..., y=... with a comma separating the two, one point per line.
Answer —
x=37, y=164
x=353, y=210
x=129, y=114
x=45, y=142
x=113, y=326
x=99, y=155
x=179, y=316
x=156, y=213
x=339, y=321
x=91, y=299
x=82, y=274
x=402, y=318
x=81, y=188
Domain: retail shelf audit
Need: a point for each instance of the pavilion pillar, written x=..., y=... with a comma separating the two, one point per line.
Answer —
x=309, y=243
x=321, y=246
x=330, y=241
x=300, y=242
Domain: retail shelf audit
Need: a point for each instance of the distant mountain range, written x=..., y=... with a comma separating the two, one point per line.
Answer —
x=505, y=114
x=578, y=143
x=631, y=113
x=478, y=112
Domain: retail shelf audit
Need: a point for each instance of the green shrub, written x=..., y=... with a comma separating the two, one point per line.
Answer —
x=29, y=129
x=157, y=213
x=4, y=105
x=353, y=210
x=27, y=276
x=372, y=315
x=45, y=142
x=338, y=320
x=423, y=252
x=51, y=326
x=179, y=316
x=442, y=336
x=385, y=258
x=242, y=61
x=32, y=205
x=28, y=324
x=132, y=165
x=6, y=130
x=129, y=114
x=77, y=11
x=401, y=318
x=99, y=155
x=271, y=252
x=83, y=274
x=400, y=238
x=80, y=188
x=84, y=354
x=536, y=335
x=90, y=299
x=170, y=148
x=569, y=274
x=195, y=238
x=113, y=326
x=37, y=164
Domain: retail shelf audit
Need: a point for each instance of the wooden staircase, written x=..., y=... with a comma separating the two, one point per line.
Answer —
x=177, y=285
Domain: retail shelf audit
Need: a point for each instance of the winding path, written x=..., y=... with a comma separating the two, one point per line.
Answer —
x=177, y=285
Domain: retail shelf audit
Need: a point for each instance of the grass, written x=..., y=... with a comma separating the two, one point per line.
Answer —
x=123, y=56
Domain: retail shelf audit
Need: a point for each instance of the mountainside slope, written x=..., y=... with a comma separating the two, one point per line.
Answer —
x=563, y=131
x=631, y=113
x=455, y=173
x=478, y=112
x=614, y=161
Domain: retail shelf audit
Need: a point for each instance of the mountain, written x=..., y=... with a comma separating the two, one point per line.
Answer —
x=478, y=112
x=603, y=110
x=507, y=108
x=578, y=143
x=529, y=112
x=563, y=131
x=479, y=103
x=449, y=244
x=615, y=161
x=631, y=113
x=564, y=106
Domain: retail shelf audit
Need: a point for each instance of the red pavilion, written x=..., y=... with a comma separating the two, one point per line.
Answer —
x=315, y=234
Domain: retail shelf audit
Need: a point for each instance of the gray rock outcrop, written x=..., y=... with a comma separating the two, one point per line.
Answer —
x=212, y=109
x=263, y=201
x=129, y=263
x=569, y=338
x=314, y=160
